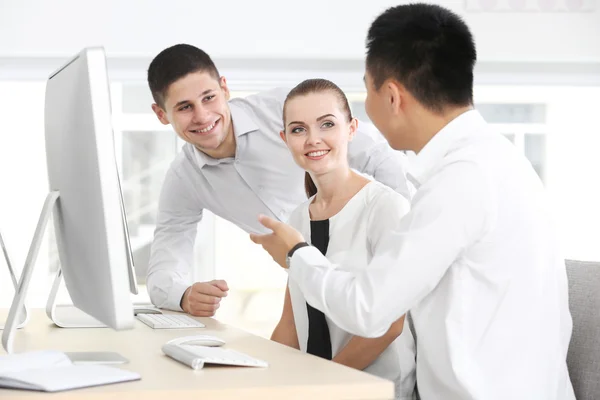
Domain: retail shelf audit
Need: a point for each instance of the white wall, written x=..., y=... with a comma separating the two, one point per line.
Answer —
x=275, y=29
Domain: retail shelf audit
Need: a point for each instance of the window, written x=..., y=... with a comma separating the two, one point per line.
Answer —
x=144, y=150
x=24, y=184
x=555, y=128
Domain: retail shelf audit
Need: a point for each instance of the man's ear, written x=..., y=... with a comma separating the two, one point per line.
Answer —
x=160, y=114
x=282, y=136
x=353, y=128
x=224, y=87
x=395, y=94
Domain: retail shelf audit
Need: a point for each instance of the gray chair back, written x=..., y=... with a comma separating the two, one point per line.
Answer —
x=583, y=358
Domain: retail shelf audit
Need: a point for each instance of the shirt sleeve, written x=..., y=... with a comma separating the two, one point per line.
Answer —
x=172, y=251
x=448, y=214
x=371, y=154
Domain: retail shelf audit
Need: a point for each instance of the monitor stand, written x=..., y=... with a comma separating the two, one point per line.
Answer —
x=23, y=315
x=68, y=316
x=18, y=300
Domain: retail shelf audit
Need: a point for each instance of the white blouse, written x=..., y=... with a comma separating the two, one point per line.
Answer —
x=354, y=235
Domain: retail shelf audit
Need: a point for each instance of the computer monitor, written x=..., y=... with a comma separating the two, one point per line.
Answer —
x=85, y=197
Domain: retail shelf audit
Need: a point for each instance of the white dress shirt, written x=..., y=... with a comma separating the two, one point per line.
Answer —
x=478, y=264
x=262, y=178
x=354, y=236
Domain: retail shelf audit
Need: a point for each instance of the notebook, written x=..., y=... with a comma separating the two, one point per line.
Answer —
x=53, y=371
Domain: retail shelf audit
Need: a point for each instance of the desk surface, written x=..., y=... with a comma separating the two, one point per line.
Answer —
x=291, y=374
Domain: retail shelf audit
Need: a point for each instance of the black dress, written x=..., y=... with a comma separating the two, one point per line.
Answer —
x=319, y=342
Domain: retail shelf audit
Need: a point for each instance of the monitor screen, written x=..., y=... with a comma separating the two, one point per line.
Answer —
x=89, y=217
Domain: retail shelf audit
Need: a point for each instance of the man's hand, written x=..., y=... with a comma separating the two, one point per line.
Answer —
x=202, y=299
x=278, y=243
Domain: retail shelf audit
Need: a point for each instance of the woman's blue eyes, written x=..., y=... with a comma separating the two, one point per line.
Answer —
x=299, y=129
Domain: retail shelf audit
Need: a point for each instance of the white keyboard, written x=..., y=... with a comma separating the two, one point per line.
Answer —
x=196, y=356
x=169, y=321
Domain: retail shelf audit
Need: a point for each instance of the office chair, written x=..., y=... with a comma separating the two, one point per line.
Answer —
x=583, y=358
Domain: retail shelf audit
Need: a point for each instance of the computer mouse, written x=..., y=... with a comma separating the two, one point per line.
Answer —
x=202, y=340
x=145, y=309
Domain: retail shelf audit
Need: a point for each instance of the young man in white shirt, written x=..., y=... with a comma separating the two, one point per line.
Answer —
x=234, y=164
x=476, y=260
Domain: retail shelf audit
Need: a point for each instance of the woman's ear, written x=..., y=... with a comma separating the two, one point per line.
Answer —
x=353, y=128
x=282, y=136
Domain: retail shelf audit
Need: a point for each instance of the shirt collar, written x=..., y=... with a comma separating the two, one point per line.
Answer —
x=442, y=143
x=242, y=121
x=242, y=124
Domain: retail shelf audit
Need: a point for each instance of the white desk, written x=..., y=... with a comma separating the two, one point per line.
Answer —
x=290, y=375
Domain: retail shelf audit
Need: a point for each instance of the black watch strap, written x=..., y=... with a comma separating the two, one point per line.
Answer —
x=296, y=247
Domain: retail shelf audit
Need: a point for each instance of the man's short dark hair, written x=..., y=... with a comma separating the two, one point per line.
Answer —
x=426, y=48
x=174, y=63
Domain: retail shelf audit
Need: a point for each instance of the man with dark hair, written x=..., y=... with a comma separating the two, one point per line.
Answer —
x=163, y=71
x=476, y=260
x=234, y=164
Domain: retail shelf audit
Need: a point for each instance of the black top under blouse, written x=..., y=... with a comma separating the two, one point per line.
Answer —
x=319, y=341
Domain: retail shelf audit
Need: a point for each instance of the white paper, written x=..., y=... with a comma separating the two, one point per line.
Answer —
x=52, y=371
x=31, y=360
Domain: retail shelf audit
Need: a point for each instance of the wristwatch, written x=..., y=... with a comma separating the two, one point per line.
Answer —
x=288, y=258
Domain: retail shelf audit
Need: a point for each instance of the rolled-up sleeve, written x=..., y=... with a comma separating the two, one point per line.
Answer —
x=172, y=251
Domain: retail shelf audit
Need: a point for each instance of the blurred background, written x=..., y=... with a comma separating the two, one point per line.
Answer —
x=537, y=81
